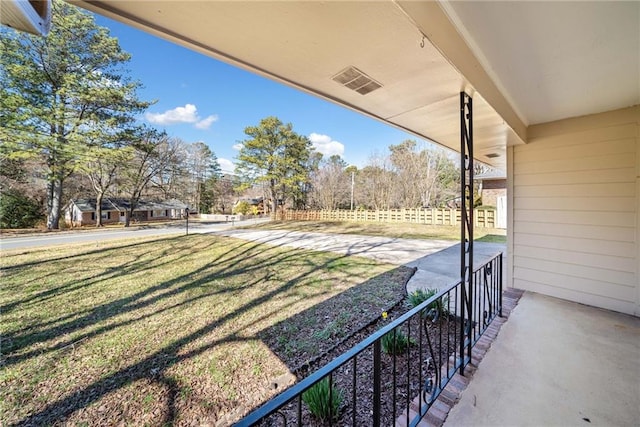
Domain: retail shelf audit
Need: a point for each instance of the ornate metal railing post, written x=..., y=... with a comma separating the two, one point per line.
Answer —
x=466, y=229
x=377, y=390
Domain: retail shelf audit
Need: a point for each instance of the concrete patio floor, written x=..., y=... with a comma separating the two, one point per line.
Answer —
x=556, y=363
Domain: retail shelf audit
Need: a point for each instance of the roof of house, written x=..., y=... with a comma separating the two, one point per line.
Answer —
x=251, y=201
x=491, y=175
x=121, y=204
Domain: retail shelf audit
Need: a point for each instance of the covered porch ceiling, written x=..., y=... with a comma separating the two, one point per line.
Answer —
x=405, y=62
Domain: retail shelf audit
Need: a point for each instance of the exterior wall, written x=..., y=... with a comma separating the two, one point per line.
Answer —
x=72, y=215
x=490, y=196
x=494, y=184
x=574, y=208
x=88, y=218
x=491, y=189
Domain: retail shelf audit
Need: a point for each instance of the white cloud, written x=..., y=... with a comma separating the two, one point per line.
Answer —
x=186, y=114
x=325, y=145
x=226, y=165
x=238, y=146
x=205, y=123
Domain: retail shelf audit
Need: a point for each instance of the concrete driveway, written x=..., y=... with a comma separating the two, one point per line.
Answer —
x=437, y=261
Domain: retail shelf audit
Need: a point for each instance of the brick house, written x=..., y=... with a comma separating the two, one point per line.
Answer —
x=493, y=185
x=79, y=212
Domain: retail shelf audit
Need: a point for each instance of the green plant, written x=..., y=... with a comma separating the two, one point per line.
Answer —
x=323, y=401
x=419, y=296
x=242, y=207
x=395, y=342
x=18, y=210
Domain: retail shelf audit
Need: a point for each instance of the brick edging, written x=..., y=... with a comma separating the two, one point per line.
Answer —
x=439, y=410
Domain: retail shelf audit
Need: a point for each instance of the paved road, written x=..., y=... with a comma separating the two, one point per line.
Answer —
x=84, y=236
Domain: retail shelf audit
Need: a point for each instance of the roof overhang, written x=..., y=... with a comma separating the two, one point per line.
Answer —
x=306, y=44
x=416, y=56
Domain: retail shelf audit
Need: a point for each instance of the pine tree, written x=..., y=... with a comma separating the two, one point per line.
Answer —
x=61, y=94
x=277, y=156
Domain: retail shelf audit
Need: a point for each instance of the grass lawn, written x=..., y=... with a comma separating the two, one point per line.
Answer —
x=174, y=330
x=400, y=230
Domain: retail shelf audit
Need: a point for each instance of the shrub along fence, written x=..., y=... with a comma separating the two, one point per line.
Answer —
x=485, y=218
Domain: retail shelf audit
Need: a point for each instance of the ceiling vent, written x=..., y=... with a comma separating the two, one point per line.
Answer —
x=493, y=155
x=355, y=79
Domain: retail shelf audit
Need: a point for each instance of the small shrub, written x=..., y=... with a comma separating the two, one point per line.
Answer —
x=395, y=342
x=18, y=210
x=419, y=296
x=242, y=207
x=317, y=400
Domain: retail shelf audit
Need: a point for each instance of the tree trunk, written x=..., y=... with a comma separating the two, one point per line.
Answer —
x=133, y=202
x=54, y=203
x=99, y=209
x=274, y=200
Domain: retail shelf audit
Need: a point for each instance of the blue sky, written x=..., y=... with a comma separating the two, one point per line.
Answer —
x=202, y=99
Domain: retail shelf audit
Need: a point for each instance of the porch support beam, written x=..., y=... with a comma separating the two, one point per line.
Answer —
x=466, y=229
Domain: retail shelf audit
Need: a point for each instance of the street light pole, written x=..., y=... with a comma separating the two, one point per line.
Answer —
x=186, y=211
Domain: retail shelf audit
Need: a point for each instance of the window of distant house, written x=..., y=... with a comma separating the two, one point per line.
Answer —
x=166, y=213
x=158, y=213
x=105, y=215
x=93, y=216
x=121, y=213
x=151, y=214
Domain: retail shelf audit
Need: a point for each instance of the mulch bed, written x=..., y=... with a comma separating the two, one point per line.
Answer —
x=406, y=387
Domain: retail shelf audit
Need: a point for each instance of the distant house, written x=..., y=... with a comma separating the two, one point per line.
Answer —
x=80, y=212
x=493, y=190
x=493, y=185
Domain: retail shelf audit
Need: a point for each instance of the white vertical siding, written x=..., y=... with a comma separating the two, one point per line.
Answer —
x=575, y=209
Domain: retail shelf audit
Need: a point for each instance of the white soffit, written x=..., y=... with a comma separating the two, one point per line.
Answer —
x=310, y=45
x=553, y=60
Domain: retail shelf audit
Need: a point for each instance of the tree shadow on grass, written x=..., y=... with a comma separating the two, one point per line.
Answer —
x=104, y=252
x=240, y=258
x=308, y=335
x=48, y=330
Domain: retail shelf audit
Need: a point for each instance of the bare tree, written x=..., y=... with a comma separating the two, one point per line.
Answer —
x=330, y=184
x=152, y=157
x=102, y=171
x=226, y=193
x=411, y=169
x=374, y=186
x=422, y=175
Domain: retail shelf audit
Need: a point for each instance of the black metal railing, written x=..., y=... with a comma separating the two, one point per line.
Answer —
x=400, y=369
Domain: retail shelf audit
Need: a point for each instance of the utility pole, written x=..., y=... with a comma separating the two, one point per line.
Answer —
x=353, y=180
